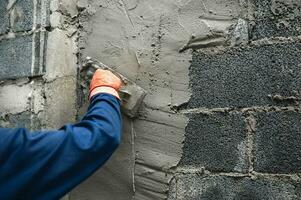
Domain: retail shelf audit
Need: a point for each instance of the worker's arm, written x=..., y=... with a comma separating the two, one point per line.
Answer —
x=46, y=165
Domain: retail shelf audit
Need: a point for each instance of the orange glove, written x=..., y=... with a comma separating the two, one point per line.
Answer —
x=104, y=81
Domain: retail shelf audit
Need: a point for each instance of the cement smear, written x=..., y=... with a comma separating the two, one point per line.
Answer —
x=142, y=40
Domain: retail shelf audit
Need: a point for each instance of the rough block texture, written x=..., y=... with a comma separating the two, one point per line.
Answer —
x=196, y=187
x=276, y=18
x=4, y=18
x=21, y=56
x=244, y=77
x=277, y=142
x=27, y=15
x=20, y=49
x=216, y=142
x=23, y=15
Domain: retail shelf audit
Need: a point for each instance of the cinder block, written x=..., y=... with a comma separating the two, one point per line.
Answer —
x=16, y=57
x=15, y=99
x=245, y=76
x=4, y=17
x=60, y=55
x=192, y=187
x=22, y=56
x=216, y=142
x=277, y=142
x=276, y=18
x=26, y=15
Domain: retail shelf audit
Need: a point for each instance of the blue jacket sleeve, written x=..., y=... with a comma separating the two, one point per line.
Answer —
x=47, y=165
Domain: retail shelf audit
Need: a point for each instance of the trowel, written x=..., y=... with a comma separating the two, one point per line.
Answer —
x=131, y=94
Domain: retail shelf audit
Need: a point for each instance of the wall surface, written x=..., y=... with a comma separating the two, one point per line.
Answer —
x=221, y=117
x=38, y=64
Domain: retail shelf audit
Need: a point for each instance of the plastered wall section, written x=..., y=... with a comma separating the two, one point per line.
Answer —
x=150, y=42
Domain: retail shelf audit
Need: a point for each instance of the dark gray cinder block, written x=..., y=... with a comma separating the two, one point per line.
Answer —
x=216, y=142
x=245, y=76
x=276, y=18
x=21, y=56
x=277, y=146
x=197, y=187
x=4, y=17
x=25, y=15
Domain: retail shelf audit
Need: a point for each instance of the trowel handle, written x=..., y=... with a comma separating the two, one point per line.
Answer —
x=124, y=94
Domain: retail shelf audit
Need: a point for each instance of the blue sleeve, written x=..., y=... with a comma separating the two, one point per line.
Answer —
x=47, y=165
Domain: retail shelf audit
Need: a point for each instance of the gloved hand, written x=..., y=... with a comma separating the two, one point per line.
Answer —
x=104, y=81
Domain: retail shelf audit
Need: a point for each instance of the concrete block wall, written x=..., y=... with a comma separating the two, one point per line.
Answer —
x=242, y=138
x=221, y=118
x=38, y=64
x=22, y=47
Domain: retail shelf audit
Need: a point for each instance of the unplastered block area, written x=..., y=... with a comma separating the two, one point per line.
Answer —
x=22, y=56
x=111, y=176
x=246, y=76
x=244, y=124
x=203, y=187
x=276, y=18
x=216, y=141
x=242, y=138
x=277, y=142
x=23, y=38
x=25, y=15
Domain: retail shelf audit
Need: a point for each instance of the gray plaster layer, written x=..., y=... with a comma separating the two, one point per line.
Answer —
x=158, y=137
x=277, y=142
x=245, y=76
x=198, y=187
x=216, y=142
x=276, y=18
x=111, y=175
x=141, y=40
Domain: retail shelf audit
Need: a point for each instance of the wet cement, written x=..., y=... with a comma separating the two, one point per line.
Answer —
x=149, y=42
